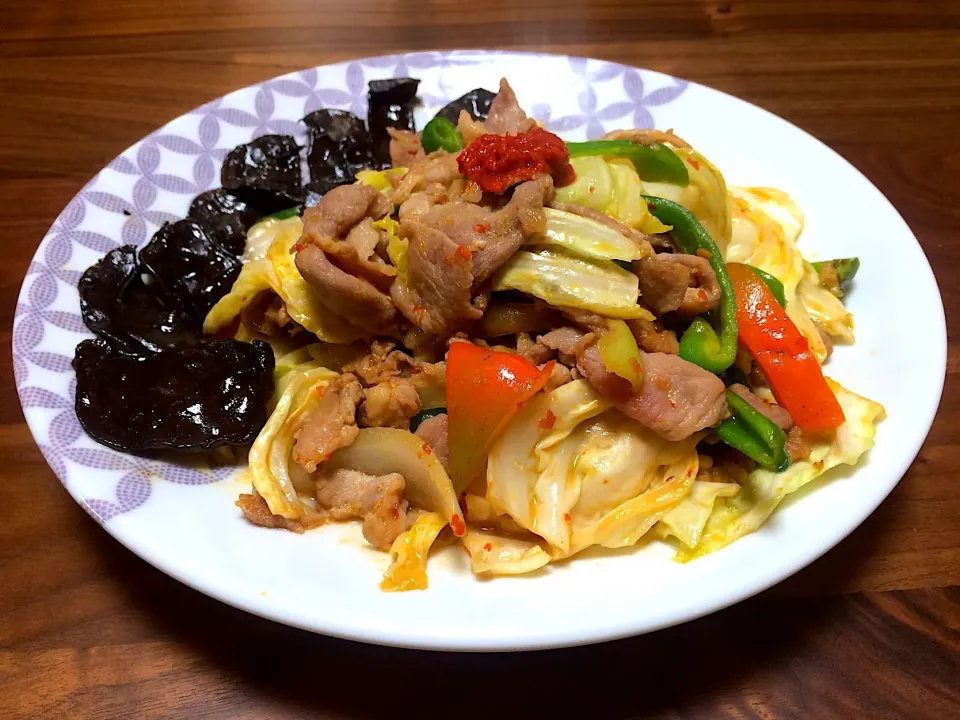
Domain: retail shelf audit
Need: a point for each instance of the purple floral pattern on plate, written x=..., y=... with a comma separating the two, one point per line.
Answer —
x=154, y=181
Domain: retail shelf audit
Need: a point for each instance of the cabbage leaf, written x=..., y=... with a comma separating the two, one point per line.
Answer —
x=560, y=278
x=408, y=571
x=687, y=520
x=758, y=498
x=585, y=237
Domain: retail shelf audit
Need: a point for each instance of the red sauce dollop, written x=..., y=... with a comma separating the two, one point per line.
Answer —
x=496, y=162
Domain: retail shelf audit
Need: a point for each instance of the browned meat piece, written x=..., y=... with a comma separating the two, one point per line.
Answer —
x=535, y=352
x=493, y=236
x=435, y=295
x=341, y=209
x=774, y=413
x=255, y=509
x=568, y=341
x=330, y=425
x=405, y=147
x=652, y=337
x=559, y=375
x=430, y=382
x=364, y=238
x=344, y=255
x=381, y=363
x=349, y=494
x=678, y=398
x=645, y=137
x=342, y=293
x=417, y=205
x=506, y=115
x=433, y=431
x=438, y=167
x=677, y=282
x=798, y=445
x=642, y=240
x=390, y=403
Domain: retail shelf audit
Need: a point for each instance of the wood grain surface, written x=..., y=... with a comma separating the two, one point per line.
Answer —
x=87, y=630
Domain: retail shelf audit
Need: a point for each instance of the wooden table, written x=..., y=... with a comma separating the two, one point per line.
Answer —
x=89, y=630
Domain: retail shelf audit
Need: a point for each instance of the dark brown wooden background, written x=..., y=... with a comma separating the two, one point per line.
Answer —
x=89, y=630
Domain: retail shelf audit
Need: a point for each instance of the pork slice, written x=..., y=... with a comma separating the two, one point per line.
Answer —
x=256, y=510
x=390, y=403
x=341, y=209
x=643, y=241
x=681, y=282
x=405, y=147
x=468, y=225
x=776, y=414
x=506, y=115
x=433, y=431
x=348, y=494
x=351, y=297
x=330, y=425
x=346, y=255
x=535, y=352
x=435, y=294
x=678, y=398
x=510, y=227
x=565, y=340
x=652, y=337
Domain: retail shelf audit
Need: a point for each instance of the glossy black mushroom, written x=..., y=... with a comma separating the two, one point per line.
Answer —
x=225, y=217
x=476, y=102
x=340, y=147
x=186, y=398
x=390, y=106
x=117, y=304
x=191, y=270
x=265, y=173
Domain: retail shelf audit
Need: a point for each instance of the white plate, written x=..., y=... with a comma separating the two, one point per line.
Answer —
x=183, y=520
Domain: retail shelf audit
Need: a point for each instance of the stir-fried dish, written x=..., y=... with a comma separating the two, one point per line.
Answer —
x=480, y=334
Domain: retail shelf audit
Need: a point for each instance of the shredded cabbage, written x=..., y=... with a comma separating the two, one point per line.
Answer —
x=748, y=510
x=766, y=226
x=408, y=571
x=380, y=179
x=274, y=269
x=562, y=279
x=594, y=477
x=612, y=186
x=270, y=455
x=687, y=520
x=499, y=555
x=587, y=238
x=705, y=196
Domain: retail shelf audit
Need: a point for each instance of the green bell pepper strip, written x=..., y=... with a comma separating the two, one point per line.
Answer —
x=282, y=214
x=701, y=344
x=425, y=415
x=441, y=134
x=655, y=162
x=775, y=286
x=755, y=435
x=845, y=268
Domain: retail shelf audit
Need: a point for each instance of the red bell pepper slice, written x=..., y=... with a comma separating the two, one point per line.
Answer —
x=783, y=354
x=485, y=388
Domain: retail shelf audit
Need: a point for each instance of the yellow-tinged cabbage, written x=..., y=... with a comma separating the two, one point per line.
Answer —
x=518, y=457
x=408, y=571
x=585, y=237
x=270, y=455
x=823, y=307
x=382, y=450
x=687, y=520
x=612, y=186
x=309, y=357
x=380, y=179
x=766, y=226
x=705, y=196
x=620, y=353
x=763, y=491
x=596, y=477
x=275, y=269
x=562, y=279
x=499, y=555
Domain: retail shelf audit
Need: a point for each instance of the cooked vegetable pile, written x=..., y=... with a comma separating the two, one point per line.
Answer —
x=480, y=334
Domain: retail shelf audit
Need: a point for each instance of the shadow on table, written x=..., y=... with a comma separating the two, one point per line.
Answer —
x=732, y=659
